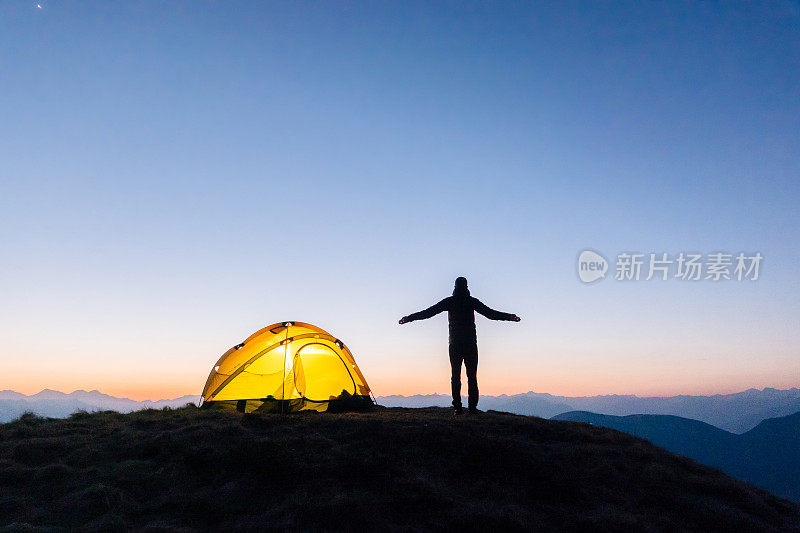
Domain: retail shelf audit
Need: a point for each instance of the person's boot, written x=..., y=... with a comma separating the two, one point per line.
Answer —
x=473, y=411
x=457, y=410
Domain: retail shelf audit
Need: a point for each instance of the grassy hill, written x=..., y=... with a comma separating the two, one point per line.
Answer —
x=389, y=469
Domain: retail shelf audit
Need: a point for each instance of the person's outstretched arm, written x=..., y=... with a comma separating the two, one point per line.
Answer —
x=491, y=314
x=426, y=313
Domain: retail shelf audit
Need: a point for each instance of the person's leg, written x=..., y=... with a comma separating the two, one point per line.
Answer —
x=455, y=377
x=471, y=365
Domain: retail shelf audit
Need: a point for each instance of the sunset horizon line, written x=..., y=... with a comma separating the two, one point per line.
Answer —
x=155, y=399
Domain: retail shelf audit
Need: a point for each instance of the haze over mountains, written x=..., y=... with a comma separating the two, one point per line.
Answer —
x=736, y=413
x=57, y=404
x=768, y=456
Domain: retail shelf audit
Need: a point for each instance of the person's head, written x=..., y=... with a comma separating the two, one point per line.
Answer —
x=461, y=287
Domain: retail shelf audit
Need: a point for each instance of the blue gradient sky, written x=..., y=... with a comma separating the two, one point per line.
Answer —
x=175, y=175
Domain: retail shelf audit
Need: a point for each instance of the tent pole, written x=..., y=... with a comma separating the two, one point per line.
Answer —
x=283, y=383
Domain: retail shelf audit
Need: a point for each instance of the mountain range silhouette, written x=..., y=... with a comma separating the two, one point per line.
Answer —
x=737, y=413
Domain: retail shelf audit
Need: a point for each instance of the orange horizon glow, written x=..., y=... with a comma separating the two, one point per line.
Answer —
x=418, y=367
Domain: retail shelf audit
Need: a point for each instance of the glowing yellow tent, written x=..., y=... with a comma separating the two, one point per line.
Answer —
x=288, y=366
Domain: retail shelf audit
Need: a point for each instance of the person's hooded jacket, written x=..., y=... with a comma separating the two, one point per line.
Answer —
x=461, y=309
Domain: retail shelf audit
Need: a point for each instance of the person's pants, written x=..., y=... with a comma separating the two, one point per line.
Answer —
x=469, y=355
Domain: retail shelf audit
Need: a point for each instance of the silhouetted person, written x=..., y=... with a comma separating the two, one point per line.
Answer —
x=461, y=309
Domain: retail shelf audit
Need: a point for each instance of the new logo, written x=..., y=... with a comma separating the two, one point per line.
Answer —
x=591, y=266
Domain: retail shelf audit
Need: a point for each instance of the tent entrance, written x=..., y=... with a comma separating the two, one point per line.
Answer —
x=320, y=374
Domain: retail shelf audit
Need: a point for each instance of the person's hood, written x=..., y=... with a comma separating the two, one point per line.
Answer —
x=461, y=289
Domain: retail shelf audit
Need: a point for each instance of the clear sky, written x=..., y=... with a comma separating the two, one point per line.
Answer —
x=176, y=175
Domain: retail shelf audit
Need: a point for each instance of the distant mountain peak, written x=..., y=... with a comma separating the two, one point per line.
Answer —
x=49, y=394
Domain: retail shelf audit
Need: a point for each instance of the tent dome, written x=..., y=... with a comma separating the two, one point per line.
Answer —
x=288, y=366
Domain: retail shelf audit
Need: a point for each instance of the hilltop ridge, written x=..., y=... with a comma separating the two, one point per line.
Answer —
x=387, y=469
